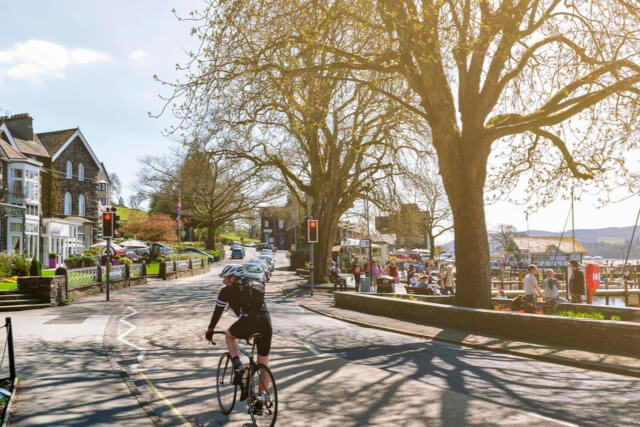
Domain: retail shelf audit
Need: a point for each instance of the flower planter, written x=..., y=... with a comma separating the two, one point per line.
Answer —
x=115, y=261
x=53, y=262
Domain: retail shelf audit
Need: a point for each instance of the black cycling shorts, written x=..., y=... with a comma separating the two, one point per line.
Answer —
x=253, y=324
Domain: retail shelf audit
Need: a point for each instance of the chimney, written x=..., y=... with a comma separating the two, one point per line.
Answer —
x=20, y=125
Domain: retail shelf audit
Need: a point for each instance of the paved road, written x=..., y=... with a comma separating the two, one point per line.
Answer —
x=328, y=372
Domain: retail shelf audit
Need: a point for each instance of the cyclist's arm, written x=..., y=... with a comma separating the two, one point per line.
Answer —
x=221, y=304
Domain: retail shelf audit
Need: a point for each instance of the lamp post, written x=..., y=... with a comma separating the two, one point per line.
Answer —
x=368, y=185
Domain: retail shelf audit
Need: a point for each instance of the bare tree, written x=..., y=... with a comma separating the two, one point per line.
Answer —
x=135, y=200
x=214, y=190
x=550, y=86
x=503, y=235
x=116, y=187
x=325, y=136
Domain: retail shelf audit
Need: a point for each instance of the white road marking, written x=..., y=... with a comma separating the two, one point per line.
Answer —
x=132, y=328
x=564, y=423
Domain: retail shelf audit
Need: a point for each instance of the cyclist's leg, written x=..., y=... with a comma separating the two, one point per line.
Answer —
x=232, y=343
x=264, y=347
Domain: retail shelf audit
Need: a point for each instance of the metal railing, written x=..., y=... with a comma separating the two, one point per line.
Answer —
x=136, y=270
x=82, y=276
x=182, y=265
x=7, y=351
x=169, y=267
x=197, y=263
x=118, y=272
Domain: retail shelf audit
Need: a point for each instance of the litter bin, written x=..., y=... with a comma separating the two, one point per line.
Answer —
x=385, y=285
x=365, y=284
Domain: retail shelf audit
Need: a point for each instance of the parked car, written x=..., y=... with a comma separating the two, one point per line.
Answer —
x=255, y=271
x=266, y=252
x=249, y=245
x=237, y=252
x=199, y=252
x=132, y=255
x=162, y=249
x=236, y=244
x=269, y=259
x=261, y=246
x=263, y=264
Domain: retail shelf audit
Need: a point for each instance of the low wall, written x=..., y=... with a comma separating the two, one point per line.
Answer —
x=185, y=273
x=101, y=287
x=616, y=337
x=52, y=288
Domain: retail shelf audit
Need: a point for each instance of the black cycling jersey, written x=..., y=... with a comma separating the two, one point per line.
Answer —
x=243, y=298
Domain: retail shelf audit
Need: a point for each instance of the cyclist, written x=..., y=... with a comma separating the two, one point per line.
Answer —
x=246, y=299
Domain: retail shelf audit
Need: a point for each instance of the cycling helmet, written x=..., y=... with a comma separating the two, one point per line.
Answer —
x=232, y=270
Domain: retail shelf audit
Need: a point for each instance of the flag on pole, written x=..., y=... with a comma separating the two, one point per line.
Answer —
x=179, y=207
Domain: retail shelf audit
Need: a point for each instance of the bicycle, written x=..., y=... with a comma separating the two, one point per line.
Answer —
x=255, y=376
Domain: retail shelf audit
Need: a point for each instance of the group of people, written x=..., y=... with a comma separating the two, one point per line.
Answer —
x=551, y=285
x=444, y=285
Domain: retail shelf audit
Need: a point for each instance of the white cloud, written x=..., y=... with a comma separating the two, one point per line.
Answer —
x=33, y=60
x=137, y=54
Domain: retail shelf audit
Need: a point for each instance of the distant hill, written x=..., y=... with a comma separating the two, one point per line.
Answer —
x=610, y=242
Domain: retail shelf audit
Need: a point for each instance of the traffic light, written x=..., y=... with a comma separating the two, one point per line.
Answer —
x=312, y=231
x=116, y=223
x=107, y=225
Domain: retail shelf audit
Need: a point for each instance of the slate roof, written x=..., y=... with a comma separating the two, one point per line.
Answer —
x=540, y=245
x=53, y=141
x=34, y=148
x=11, y=152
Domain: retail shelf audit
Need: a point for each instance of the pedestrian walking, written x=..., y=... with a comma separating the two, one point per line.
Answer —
x=393, y=272
x=576, y=283
x=411, y=272
x=356, y=275
x=375, y=272
x=448, y=282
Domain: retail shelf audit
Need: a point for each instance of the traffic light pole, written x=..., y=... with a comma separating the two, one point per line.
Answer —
x=108, y=264
x=311, y=267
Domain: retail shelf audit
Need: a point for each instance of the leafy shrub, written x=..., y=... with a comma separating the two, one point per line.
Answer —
x=36, y=268
x=594, y=315
x=615, y=318
x=19, y=265
x=125, y=260
x=53, y=255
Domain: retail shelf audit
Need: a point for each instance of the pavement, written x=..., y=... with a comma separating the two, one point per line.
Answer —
x=141, y=360
x=322, y=303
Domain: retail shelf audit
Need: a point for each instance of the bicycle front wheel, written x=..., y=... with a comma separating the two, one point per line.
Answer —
x=263, y=398
x=225, y=387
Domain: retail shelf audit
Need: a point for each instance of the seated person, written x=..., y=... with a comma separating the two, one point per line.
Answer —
x=423, y=283
x=413, y=281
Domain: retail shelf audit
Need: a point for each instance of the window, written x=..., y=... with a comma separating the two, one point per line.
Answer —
x=81, y=205
x=69, y=169
x=103, y=201
x=80, y=172
x=102, y=186
x=16, y=173
x=67, y=204
x=15, y=227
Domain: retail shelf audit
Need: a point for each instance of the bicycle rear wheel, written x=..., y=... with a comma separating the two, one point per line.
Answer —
x=263, y=412
x=225, y=387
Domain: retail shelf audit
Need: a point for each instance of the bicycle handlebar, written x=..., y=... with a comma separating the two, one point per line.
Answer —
x=216, y=333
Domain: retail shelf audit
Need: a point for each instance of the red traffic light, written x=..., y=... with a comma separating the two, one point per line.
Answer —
x=107, y=217
x=313, y=224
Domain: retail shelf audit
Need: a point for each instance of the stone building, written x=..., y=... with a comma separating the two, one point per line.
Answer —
x=81, y=191
x=408, y=224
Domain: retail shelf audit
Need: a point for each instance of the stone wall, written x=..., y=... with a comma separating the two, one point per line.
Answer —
x=186, y=273
x=52, y=289
x=614, y=337
x=101, y=287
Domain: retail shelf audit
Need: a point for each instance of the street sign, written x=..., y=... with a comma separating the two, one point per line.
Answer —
x=364, y=243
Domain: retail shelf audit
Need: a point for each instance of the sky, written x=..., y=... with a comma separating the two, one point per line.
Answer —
x=90, y=64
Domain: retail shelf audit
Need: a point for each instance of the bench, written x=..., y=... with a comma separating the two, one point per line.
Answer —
x=418, y=291
x=338, y=282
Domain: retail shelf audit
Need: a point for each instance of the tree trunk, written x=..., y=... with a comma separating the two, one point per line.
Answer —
x=210, y=243
x=322, y=250
x=463, y=170
x=432, y=246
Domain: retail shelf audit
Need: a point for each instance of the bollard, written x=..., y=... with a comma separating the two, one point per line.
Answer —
x=12, y=360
